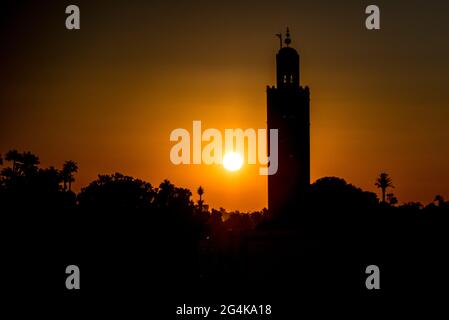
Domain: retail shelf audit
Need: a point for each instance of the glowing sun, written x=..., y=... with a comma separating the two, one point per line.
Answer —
x=232, y=161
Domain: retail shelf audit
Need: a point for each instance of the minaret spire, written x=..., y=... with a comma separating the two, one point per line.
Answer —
x=287, y=38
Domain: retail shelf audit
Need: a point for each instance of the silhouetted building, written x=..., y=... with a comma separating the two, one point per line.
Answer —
x=288, y=111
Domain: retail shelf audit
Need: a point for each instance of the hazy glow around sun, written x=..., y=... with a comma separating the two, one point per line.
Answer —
x=232, y=161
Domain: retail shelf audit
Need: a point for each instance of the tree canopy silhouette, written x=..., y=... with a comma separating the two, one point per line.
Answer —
x=116, y=192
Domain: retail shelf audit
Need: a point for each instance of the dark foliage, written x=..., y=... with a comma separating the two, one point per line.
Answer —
x=120, y=220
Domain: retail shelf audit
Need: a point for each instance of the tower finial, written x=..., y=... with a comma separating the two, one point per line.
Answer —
x=287, y=38
x=279, y=35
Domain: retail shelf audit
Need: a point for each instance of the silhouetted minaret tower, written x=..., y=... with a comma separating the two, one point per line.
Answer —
x=288, y=111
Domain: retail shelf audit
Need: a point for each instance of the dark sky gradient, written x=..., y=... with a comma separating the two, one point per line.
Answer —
x=108, y=95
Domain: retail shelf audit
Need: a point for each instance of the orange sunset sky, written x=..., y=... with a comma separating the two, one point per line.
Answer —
x=108, y=95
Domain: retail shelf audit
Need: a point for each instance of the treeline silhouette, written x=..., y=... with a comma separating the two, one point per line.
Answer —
x=130, y=224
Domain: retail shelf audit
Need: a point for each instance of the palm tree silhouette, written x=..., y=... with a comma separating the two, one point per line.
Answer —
x=384, y=182
x=15, y=157
x=68, y=169
x=200, y=192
